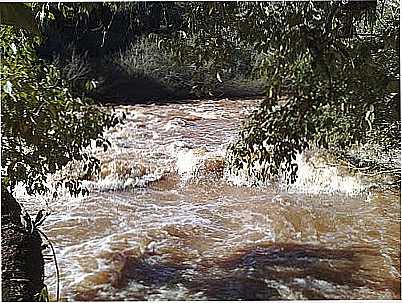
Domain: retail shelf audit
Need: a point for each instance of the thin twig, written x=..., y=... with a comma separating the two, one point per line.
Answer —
x=391, y=171
x=106, y=30
x=55, y=263
x=350, y=166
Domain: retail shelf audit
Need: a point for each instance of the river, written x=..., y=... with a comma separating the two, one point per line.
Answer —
x=162, y=221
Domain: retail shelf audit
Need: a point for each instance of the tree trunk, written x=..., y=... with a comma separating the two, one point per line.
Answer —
x=22, y=262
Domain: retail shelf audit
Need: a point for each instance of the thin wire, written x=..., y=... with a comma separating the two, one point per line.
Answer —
x=55, y=263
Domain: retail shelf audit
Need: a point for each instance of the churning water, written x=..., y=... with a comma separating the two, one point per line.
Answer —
x=163, y=222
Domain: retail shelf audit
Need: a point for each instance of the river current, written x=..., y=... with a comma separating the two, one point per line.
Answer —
x=163, y=221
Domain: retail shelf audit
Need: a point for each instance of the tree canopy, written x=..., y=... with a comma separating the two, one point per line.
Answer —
x=44, y=126
x=331, y=70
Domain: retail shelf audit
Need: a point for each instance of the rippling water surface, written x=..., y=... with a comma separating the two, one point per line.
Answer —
x=161, y=222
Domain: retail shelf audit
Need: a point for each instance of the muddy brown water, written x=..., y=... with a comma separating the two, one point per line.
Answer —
x=163, y=223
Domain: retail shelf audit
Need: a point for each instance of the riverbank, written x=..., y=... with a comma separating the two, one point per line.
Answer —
x=121, y=90
x=381, y=165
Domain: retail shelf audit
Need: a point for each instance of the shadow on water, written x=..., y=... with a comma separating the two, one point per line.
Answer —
x=268, y=272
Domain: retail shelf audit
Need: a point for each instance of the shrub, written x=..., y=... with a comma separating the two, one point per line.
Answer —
x=43, y=126
x=336, y=64
x=149, y=58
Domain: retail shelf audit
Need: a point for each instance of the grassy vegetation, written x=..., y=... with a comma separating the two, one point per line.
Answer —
x=145, y=59
x=131, y=61
x=145, y=71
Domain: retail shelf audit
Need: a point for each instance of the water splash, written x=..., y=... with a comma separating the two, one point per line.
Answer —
x=314, y=176
x=317, y=176
x=199, y=163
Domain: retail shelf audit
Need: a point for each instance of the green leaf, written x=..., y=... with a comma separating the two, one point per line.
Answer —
x=8, y=88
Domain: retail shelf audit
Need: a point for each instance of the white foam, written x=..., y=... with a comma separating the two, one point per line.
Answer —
x=195, y=163
x=113, y=182
x=174, y=123
x=204, y=115
x=317, y=177
x=314, y=176
x=187, y=162
x=238, y=179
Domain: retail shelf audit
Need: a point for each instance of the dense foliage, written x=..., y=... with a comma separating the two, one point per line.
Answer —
x=124, y=45
x=331, y=70
x=147, y=58
x=82, y=39
x=43, y=126
x=101, y=28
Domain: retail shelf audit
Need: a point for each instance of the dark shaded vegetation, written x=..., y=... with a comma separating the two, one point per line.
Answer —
x=252, y=273
x=116, y=53
x=22, y=264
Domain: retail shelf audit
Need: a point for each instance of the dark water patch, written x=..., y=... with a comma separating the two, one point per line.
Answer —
x=146, y=270
x=165, y=182
x=88, y=295
x=267, y=272
x=287, y=262
x=235, y=288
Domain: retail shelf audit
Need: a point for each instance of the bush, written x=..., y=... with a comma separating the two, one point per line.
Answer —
x=43, y=126
x=149, y=58
x=335, y=63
